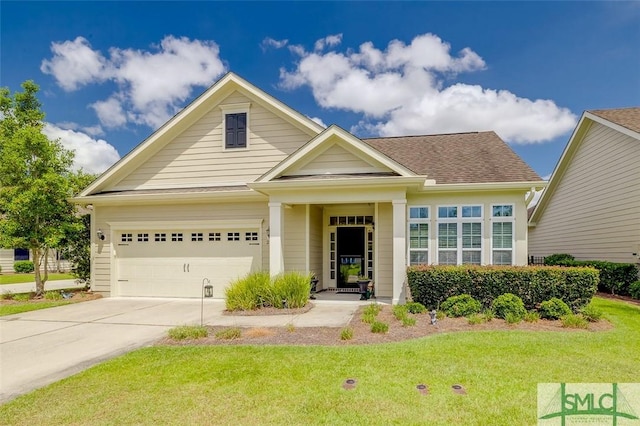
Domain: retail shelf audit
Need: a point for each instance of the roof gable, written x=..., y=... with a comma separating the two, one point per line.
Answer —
x=621, y=120
x=335, y=141
x=190, y=115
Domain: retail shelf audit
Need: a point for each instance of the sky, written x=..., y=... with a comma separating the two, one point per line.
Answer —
x=110, y=73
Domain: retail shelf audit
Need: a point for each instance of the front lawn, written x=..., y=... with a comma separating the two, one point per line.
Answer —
x=303, y=384
x=19, y=308
x=30, y=278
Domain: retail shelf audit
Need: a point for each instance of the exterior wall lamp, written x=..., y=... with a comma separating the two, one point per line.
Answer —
x=101, y=235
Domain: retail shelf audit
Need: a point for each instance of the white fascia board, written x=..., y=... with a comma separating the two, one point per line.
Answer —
x=612, y=125
x=355, y=182
x=487, y=186
x=172, y=198
x=187, y=224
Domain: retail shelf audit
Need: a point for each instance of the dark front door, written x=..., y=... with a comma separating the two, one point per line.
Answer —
x=351, y=256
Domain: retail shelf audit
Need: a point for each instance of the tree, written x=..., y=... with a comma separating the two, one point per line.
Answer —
x=34, y=181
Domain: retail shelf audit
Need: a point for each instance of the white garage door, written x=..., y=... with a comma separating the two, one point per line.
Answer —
x=174, y=263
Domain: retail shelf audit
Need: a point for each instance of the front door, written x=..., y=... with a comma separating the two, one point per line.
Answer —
x=351, y=255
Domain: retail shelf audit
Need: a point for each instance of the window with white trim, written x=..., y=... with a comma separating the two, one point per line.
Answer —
x=233, y=236
x=160, y=237
x=143, y=238
x=460, y=235
x=502, y=221
x=176, y=236
x=235, y=126
x=214, y=236
x=197, y=236
x=127, y=238
x=418, y=235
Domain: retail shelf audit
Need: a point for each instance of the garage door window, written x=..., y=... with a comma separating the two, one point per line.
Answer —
x=251, y=236
x=196, y=236
x=143, y=238
x=176, y=236
x=161, y=237
x=233, y=236
x=127, y=238
x=214, y=236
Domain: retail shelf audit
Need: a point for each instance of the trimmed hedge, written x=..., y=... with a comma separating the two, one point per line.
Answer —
x=615, y=278
x=431, y=285
x=23, y=267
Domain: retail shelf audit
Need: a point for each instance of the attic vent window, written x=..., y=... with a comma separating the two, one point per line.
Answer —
x=235, y=126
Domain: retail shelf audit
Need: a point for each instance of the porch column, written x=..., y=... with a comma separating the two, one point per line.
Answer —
x=399, y=250
x=276, y=258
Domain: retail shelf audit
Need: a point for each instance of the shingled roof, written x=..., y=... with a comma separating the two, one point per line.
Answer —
x=475, y=157
x=625, y=117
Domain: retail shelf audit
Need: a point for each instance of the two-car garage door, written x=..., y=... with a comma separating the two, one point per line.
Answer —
x=174, y=262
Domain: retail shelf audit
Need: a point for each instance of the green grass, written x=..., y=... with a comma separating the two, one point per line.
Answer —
x=29, y=306
x=29, y=278
x=230, y=385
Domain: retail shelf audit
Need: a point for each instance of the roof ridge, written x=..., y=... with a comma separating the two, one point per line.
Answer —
x=431, y=134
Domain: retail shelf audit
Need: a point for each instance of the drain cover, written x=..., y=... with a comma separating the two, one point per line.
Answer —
x=459, y=389
x=349, y=384
x=423, y=389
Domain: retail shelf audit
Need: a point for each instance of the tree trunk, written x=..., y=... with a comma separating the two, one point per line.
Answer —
x=46, y=267
x=36, y=264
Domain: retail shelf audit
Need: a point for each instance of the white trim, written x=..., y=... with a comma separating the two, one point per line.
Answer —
x=239, y=108
x=167, y=225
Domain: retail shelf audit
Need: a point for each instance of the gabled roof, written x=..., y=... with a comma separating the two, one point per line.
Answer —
x=475, y=157
x=329, y=135
x=625, y=117
x=183, y=119
x=624, y=120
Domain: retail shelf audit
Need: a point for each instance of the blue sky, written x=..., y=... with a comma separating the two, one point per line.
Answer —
x=111, y=72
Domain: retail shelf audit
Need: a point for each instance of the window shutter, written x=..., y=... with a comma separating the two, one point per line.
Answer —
x=241, y=130
x=231, y=124
x=236, y=130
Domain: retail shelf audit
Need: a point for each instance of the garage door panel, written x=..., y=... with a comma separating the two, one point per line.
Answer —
x=177, y=268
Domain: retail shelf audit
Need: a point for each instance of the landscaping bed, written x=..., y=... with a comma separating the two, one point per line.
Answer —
x=9, y=306
x=362, y=334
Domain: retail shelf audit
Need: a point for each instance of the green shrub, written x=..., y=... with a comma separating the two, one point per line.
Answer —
x=346, y=333
x=415, y=307
x=574, y=321
x=461, y=306
x=23, y=266
x=488, y=315
x=372, y=309
x=379, y=327
x=634, y=289
x=440, y=315
x=591, y=313
x=513, y=318
x=22, y=297
x=615, y=278
x=188, y=332
x=431, y=285
x=532, y=316
x=53, y=295
x=6, y=295
x=229, y=333
x=258, y=289
x=368, y=317
x=557, y=257
x=475, y=319
x=408, y=321
x=400, y=311
x=554, y=309
x=509, y=303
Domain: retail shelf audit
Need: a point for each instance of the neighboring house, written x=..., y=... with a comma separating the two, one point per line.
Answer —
x=239, y=182
x=591, y=207
x=9, y=256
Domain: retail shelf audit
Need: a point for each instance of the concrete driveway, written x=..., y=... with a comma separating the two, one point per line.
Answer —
x=41, y=347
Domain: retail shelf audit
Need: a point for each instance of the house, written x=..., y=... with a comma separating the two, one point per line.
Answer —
x=591, y=207
x=9, y=256
x=238, y=182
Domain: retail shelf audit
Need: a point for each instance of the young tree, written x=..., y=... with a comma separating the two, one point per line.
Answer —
x=34, y=181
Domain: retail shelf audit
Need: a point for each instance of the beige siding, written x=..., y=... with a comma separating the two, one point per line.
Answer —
x=384, y=235
x=102, y=266
x=197, y=156
x=485, y=199
x=594, y=213
x=6, y=260
x=336, y=160
x=315, y=243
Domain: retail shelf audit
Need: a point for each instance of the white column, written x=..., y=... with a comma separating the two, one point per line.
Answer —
x=276, y=257
x=307, y=238
x=399, y=250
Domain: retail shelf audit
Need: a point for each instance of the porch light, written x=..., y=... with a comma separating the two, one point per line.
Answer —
x=101, y=235
x=208, y=289
x=268, y=231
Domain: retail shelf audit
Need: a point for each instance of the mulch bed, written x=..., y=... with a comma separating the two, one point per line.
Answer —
x=330, y=336
x=78, y=296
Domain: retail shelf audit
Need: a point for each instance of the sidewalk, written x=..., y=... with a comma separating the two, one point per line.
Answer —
x=49, y=285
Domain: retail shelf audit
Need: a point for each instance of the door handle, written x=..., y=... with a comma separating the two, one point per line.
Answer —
x=188, y=265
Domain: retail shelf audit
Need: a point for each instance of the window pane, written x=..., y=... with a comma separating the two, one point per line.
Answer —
x=503, y=211
x=471, y=257
x=447, y=257
x=502, y=235
x=445, y=212
x=447, y=235
x=472, y=235
x=418, y=235
x=418, y=257
x=502, y=257
x=472, y=211
x=418, y=213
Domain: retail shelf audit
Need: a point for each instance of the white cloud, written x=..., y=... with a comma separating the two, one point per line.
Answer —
x=151, y=84
x=328, y=41
x=91, y=130
x=318, y=120
x=269, y=42
x=92, y=155
x=401, y=90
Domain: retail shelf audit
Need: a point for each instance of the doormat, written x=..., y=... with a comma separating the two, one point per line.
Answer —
x=343, y=290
